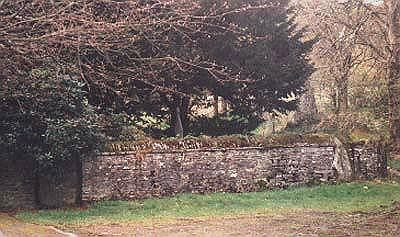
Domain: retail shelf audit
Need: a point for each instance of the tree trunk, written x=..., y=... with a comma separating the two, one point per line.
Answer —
x=393, y=67
x=307, y=111
x=178, y=128
x=179, y=109
x=333, y=99
x=216, y=107
x=185, y=111
x=343, y=84
x=224, y=105
x=343, y=95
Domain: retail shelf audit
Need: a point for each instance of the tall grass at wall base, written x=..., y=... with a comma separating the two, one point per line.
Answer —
x=332, y=198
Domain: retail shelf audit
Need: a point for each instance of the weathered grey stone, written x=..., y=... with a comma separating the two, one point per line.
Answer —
x=227, y=170
x=342, y=161
x=164, y=173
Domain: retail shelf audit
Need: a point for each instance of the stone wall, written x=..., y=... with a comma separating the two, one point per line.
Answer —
x=367, y=162
x=17, y=185
x=137, y=175
x=22, y=188
x=62, y=190
x=166, y=172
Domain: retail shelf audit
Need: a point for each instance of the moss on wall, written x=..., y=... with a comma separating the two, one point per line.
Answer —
x=234, y=141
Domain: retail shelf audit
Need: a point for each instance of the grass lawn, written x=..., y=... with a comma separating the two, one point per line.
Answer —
x=333, y=198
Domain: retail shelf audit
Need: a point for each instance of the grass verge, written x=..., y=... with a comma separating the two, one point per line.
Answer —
x=336, y=198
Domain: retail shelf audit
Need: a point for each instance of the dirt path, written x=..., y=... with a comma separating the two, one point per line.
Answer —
x=295, y=224
x=10, y=227
x=305, y=223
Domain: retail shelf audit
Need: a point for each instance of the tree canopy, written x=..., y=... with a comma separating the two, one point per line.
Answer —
x=152, y=56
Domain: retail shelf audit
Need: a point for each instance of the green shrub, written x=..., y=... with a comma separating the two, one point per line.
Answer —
x=122, y=128
x=220, y=126
x=48, y=120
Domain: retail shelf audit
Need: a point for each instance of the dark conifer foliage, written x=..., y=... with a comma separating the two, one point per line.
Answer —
x=154, y=57
x=270, y=58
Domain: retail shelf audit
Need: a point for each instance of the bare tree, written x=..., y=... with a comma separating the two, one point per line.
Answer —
x=125, y=50
x=392, y=8
x=352, y=52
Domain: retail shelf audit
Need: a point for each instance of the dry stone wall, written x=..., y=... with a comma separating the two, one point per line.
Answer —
x=17, y=184
x=367, y=162
x=166, y=172
x=137, y=175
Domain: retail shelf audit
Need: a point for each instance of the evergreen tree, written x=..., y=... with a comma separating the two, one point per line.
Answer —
x=270, y=58
x=158, y=57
